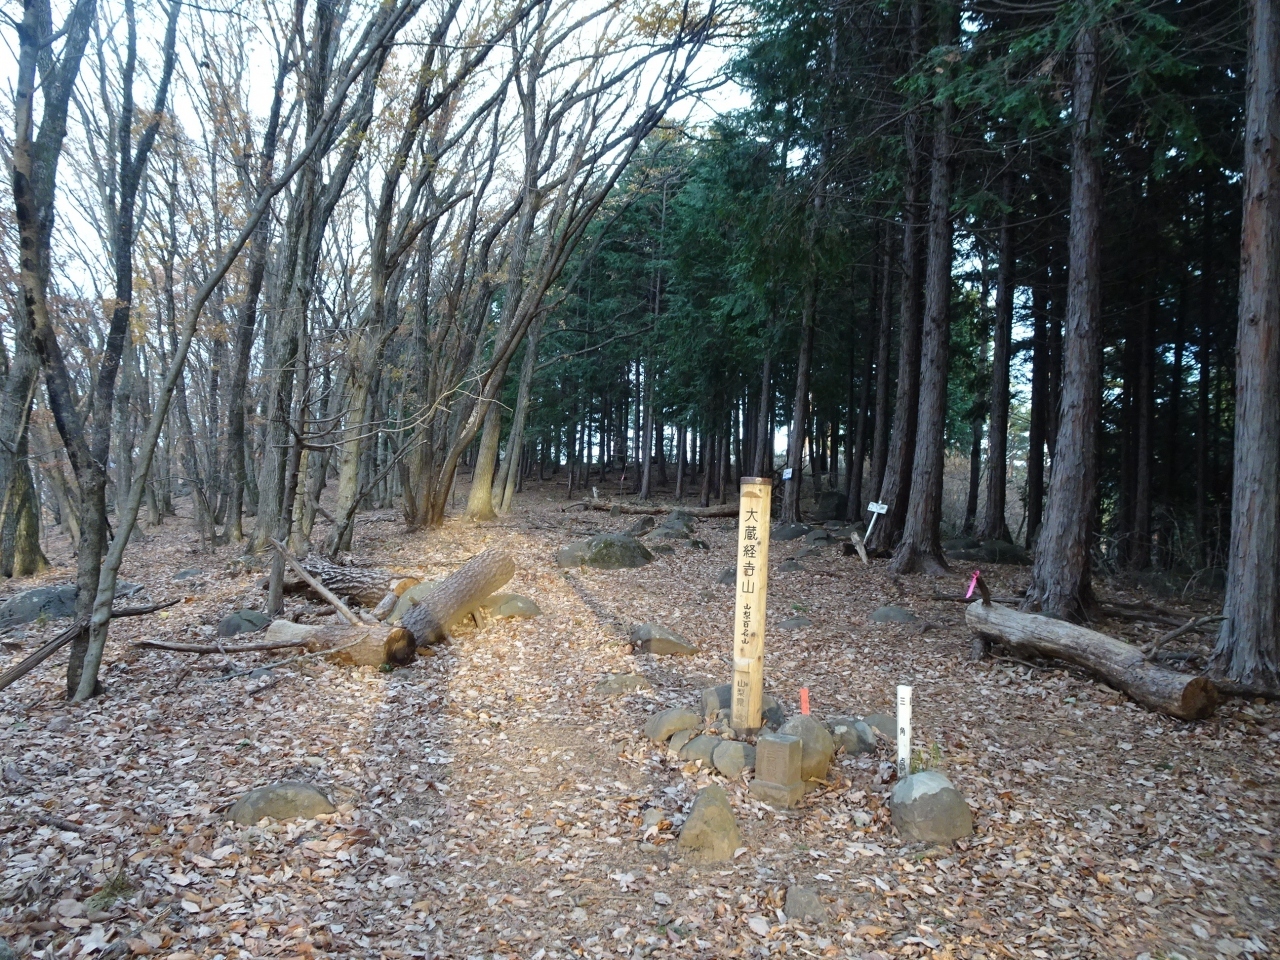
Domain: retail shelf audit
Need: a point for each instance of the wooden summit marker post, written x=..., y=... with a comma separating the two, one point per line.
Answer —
x=754, y=502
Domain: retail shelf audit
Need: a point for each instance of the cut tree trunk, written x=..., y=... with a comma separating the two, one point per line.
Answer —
x=1118, y=663
x=353, y=644
x=365, y=585
x=458, y=595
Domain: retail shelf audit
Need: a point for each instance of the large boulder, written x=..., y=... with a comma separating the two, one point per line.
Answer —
x=242, y=621
x=702, y=748
x=642, y=526
x=817, y=747
x=926, y=807
x=832, y=505
x=605, y=551
x=280, y=801
x=710, y=833
x=790, y=531
x=657, y=639
x=662, y=725
x=48, y=603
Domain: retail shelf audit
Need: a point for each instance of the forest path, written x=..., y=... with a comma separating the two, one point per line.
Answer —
x=492, y=801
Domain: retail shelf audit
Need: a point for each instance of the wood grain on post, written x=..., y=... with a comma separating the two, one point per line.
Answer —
x=755, y=500
x=1120, y=664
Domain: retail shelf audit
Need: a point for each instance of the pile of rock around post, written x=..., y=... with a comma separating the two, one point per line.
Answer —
x=794, y=756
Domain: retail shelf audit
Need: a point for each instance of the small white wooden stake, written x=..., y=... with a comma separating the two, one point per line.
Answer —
x=876, y=510
x=904, y=731
x=755, y=500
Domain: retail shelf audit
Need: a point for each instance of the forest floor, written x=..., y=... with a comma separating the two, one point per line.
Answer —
x=490, y=800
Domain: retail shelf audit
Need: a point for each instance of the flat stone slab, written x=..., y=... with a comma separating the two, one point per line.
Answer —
x=710, y=833
x=657, y=639
x=49, y=603
x=621, y=684
x=790, y=531
x=280, y=801
x=795, y=623
x=662, y=725
x=790, y=566
x=242, y=621
x=510, y=606
x=731, y=757
x=891, y=614
x=803, y=903
x=605, y=551
x=926, y=807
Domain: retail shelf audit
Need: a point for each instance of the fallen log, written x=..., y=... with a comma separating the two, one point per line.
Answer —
x=365, y=585
x=653, y=510
x=458, y=595
x=1118, y=663
x=352, y=644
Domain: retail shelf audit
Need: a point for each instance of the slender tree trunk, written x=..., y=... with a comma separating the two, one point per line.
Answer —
x=920, y=549
x=1037, y=427
x=682, y=462
x=480, y=499
x=762, y=463
x=515, y=442
x=856, y=437
x=800, y=406
x=1140, y=550
x=1248, y=650
x=994, y=525
x=646, y=434
x=1060, y=579
x=880, y=442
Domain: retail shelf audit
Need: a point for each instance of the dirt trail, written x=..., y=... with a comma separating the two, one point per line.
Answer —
x=492, y=801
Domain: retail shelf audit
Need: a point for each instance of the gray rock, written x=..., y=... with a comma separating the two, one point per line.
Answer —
x=49, y=603
x=280, y=801
x=697, y=544
x=653, y=816
x=700, y=748
x=605, y=551
x=790, y=531
x=820, y=535
x=710, y=833
x=795, y=623
x=802, y=903
x=657, y=639
x=680, y=738
x=510, y=606
x=665, y=532
x=891, y=614
x=853, y=735
x=960, y=543
x=987, y=551
x=188, y=574
x=662, y=725
x=679, y=520
x=804, y=553
x=790, y=566
x=620, y=684
x=6, y=951
x=926, y=807
x=58, y=724
x=818, y=747
x=642, y=526
x=410, y=599
x=832, y=505
x=771, y=712
x=715, y=699
x=242, y=621
x=663, y=549
x=882, y=724
x=729, y=578
x=731, y=757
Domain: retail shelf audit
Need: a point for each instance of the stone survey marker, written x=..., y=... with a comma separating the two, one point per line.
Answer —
x=755, y=500
x=778, y=782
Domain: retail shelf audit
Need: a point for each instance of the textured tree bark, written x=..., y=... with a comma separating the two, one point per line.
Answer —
x=880, y=442
x=1060, y=578
x=515, y=442
x=899, y=460
x=1039, y=402
x=1140, y=548
x=762, y=459
x=920, y=549
x=1248, y=649
x=480, y=499
x=458, y=595
x=353, y=645
x=1120, y=664
x=800, y=407
x=994, y=525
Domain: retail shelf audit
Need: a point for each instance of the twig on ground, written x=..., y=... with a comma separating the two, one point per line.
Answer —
x=1195, y=623
x=282, y=663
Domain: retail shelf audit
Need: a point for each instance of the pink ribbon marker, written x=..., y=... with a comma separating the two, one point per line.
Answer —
x=973, y=583
x=804, y=700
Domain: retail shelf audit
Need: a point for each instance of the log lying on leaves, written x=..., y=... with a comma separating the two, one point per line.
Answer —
x=1118, y=663
x=457, y=596
x=353, y=644
x=653, y=510
x=365, y=585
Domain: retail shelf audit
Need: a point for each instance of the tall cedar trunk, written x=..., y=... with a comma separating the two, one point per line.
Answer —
x=1060, y=579
x=800, y=406
x=646, y=435
x=856, y=437
x=920, y=549
x=1140, y=549
x=1037, y=427
x=1248, y=650
x=1202, y=387
x=902, y=440
x=975, y=474
x=994, y=525
x=704, y=494
x=880, y=442
x=682, y=462
x=762, y=460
